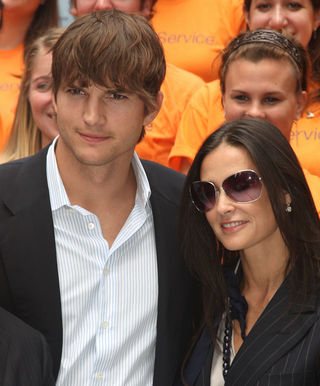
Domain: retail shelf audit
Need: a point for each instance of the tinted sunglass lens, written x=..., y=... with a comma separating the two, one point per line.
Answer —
x=203, y=195
x=244, y=186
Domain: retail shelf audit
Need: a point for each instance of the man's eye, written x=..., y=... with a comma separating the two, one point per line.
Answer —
x=75, y=91
x=117, y=96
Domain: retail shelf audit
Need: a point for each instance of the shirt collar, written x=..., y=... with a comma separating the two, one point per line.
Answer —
x=58, y=194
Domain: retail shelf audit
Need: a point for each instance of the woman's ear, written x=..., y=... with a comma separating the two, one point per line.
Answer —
x=287, y=199
x=302, y=99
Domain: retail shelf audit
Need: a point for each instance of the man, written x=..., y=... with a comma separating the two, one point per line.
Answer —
x=177, y=87
x=88, y=246
x=24, y=355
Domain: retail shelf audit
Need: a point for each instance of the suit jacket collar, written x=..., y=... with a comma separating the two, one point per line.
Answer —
x=27, y=197
x=280, y=327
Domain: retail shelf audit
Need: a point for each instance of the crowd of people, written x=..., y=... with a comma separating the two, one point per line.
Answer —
x=160, y=193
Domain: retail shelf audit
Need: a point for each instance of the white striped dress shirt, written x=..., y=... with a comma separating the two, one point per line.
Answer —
x=109, y=296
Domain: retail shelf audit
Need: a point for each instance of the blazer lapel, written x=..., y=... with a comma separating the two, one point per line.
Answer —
x=280, y=327
x=175, y=290
x=198, y=369
x=28, y=234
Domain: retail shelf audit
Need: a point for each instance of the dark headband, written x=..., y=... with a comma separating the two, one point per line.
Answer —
x=270, y=37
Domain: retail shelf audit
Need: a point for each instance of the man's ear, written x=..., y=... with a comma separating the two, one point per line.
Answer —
x=150, y=116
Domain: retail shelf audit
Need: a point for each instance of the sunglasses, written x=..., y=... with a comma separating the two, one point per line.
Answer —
x=242, y=187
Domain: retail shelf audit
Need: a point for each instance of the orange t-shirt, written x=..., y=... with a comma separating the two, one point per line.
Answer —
x=203, y=114
x=11, y=70
x=194, y=32
x=314, y=186
x=177, y=89
x=305, y=138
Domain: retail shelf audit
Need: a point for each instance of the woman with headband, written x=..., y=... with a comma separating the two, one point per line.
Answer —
x=299, y=19
x=251, y=234
x=271, y=85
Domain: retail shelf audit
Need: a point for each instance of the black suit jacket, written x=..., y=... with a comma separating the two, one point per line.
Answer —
x=283, y=347
x=29, y=285
x=24, y=354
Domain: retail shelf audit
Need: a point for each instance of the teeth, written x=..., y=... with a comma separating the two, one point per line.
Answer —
x=232, y=224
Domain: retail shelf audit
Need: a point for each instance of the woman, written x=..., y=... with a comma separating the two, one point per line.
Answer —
x=264, y=74
x=251, y=233
x=21, y=21
x=204, y=113
x=34, y=124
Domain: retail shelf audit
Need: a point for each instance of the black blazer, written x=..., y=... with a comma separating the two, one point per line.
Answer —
x=24, y=354
x=29, y=284
x=283, y=347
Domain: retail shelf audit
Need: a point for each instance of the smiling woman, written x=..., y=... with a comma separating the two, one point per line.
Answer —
x=300, y=20
x=22, y=22
x=250, y=232
x=263, y=75
x=34, y=124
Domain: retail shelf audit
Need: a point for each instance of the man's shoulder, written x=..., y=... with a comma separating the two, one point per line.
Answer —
x=164, y=181
x=154, y=169
x=32, y=163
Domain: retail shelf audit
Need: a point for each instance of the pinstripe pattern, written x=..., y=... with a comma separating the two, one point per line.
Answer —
x=282, y=349
x=108, y=332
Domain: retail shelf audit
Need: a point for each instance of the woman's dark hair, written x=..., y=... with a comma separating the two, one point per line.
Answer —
x=281, y=173
x=45, y=17
x=314, y=43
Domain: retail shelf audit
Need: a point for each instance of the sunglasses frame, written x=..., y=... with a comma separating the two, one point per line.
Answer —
x=217, y=190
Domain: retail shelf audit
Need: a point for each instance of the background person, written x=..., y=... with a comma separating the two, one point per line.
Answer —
x=89, y=229
x=203, y=113
x=22, y=21
x=177, y=87
x=250, y=232
x=34, y=125
x=263, y=74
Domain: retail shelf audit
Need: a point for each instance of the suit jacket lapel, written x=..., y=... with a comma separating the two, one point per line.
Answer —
x=175, y=297
x=280, y=327
x=36, y=281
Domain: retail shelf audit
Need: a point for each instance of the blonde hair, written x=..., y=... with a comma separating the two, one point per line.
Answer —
x=25, y=138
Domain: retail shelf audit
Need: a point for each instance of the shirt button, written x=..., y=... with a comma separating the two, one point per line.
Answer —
x=105, y=271
x=105, y=324
x=99, y=376
x=91, y=225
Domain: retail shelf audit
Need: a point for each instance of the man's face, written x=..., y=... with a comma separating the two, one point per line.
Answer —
x=82, y=7
x=104, y=126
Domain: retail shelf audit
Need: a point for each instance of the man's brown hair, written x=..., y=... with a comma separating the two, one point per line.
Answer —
x=110, y=49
